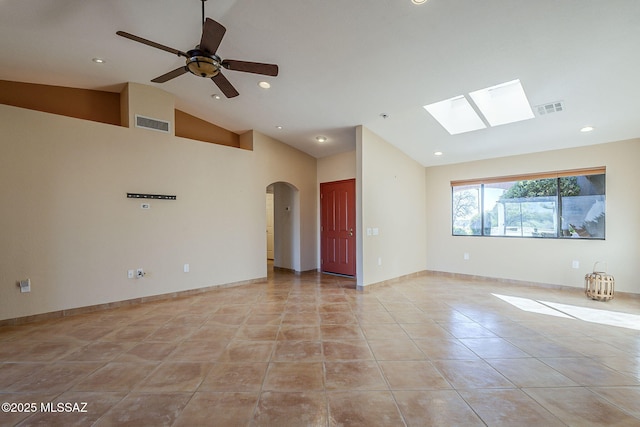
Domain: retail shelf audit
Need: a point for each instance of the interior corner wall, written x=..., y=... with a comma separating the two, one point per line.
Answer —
x=547, y=261
x=393, y=204
x=66, y=223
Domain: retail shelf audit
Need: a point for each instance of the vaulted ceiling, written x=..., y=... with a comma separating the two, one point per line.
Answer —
x=346, y=63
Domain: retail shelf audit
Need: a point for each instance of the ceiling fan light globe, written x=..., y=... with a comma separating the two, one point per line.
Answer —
x=202, y=65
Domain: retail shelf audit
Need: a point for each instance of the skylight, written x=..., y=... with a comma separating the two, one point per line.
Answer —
x=456, y=115
x=497, y=105
x=503, y=103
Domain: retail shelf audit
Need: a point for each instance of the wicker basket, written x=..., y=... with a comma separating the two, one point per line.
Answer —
x=599, y=285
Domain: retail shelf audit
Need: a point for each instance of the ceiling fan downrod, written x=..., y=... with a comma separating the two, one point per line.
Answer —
x=203, y=12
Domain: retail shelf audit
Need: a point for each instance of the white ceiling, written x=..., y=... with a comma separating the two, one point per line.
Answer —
x=344, y=63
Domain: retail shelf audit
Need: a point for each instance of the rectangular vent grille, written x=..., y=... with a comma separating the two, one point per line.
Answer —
x=552, y=107
x=153, y=124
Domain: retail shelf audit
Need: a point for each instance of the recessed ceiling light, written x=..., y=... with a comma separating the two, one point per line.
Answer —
x=418, y=1
x=503, y=103
x=279, y=127
x=215, y=96
x=321, y=138
x=264, y=85
x=587, y=129
x=437, y=153
x=98, y=60
x=455, y=115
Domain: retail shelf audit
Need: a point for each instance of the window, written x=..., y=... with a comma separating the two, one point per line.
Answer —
x=568, y=204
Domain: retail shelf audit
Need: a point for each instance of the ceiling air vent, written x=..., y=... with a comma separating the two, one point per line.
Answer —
x=153, y=124
x=552, y=107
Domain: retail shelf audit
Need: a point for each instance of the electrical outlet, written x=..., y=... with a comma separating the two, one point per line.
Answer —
x=139, y=273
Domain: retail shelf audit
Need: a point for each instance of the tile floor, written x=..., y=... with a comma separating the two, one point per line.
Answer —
x=309, y=350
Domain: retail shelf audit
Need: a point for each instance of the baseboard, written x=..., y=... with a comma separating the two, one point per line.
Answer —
x=292, y=271
x=393, y=280
x=117, y=304
x=475, y=278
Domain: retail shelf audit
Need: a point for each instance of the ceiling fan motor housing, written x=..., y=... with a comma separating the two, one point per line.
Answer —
x=203, y=64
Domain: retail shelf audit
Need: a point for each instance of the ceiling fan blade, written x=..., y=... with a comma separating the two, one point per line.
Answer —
x=212, y=33
x=152, y=44
x=225, y=85
x=251, y=67
x=170, y=75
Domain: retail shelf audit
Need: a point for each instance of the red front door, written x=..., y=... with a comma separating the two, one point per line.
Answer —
x=338, y=226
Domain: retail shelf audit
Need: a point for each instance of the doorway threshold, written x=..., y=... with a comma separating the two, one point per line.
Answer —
x=338, y=274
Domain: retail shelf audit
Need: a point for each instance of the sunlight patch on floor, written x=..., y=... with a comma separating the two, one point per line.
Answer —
x=603, y=317
x=530, y=305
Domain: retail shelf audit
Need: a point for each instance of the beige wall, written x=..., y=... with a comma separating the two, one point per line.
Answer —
x=392, y=198
x=286, y=208
x=278, y=162
x=543, y=260
x=67, y=225
x=146, y=101
x=337, y=167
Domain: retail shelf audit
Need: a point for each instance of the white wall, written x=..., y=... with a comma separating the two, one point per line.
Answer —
x=66, y=224
x=543, y=260
x=392, y=198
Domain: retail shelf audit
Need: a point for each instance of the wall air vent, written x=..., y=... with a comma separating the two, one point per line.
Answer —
x=153, y=124
x=551, y=107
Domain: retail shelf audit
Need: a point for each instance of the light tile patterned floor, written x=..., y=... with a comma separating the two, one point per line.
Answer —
x=309, y=350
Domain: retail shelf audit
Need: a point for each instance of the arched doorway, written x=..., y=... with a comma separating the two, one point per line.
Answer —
x=283, y=207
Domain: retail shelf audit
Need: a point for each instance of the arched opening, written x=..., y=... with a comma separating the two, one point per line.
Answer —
x=283, y=226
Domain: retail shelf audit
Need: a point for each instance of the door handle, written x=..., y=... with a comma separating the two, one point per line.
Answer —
x=351, y=232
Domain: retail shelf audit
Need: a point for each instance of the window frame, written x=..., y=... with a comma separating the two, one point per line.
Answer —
x=601, y=170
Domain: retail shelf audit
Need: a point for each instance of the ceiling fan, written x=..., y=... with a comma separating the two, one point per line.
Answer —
x=203, y=61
